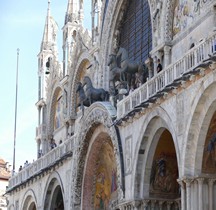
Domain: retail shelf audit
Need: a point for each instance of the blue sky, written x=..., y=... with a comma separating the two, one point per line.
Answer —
x=22, y=24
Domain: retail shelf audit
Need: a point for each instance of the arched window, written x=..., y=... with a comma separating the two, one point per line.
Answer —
x=136, y=33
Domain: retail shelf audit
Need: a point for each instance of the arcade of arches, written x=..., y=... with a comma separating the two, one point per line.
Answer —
x=140, y=148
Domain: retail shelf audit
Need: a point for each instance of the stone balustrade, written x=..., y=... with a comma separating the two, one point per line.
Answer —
x=188, y=62
x=42, y=163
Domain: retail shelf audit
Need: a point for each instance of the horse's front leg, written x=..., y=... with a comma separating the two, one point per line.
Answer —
x=82, y=108
x=90, y=100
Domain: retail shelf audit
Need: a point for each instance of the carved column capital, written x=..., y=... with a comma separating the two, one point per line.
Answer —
x=181, y=183
x=167, y=49
x=136, y=204
x=211, y=182
x=153, y=202
x=161, y=204
x=188, y=181
x=200, y=180
x=145, y=203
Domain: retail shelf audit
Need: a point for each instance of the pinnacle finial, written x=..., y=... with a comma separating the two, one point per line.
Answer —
x=49, y=1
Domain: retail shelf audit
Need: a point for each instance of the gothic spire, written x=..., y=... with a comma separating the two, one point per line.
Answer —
x=72, y=11
x=50, y=32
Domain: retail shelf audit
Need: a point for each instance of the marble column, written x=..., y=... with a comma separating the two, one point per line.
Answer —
x=153, y=202
x=210, y=190
x=70, y=128
x=183, y=197
x=44, y=146
x=167, y=55
x=38, y=147
x=150, y=65
x=188, y=192
x=200, y=192
x=177, y=205
x=169, y=204
x=161, y=205
x=66, y=129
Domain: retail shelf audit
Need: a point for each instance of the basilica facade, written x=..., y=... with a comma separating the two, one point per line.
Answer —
x=128, y=120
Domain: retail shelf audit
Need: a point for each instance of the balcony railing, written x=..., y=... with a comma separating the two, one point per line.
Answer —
x=42, y=163
x=188, y=62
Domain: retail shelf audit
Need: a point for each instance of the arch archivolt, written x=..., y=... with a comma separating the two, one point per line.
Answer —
x=96, y=121
x=28, y=199
x=56, y=90
x=203, y=108
x=75, y=77
x=98, y=140
x=52, y=182
x=154, y=125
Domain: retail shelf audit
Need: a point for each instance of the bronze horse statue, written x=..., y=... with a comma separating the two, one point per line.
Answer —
x=117, y=73
x=94, y=94
x=131, y=67
x=82, y=99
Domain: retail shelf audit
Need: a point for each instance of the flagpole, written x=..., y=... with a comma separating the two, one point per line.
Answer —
x=15, y=117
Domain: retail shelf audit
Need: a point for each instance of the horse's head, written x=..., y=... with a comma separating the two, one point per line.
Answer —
x=79, y=86
x=87, y=81
x=112, y=63
x=112, y=58
x=122, y=53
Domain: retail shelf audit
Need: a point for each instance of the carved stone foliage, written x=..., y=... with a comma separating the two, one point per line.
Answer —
x=95, y=117
x=169, y=21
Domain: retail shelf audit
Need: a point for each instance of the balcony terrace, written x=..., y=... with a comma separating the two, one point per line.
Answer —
x=171, y=76
x=41, y=165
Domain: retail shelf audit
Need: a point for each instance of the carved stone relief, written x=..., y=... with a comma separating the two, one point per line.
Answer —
x=128, y=154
